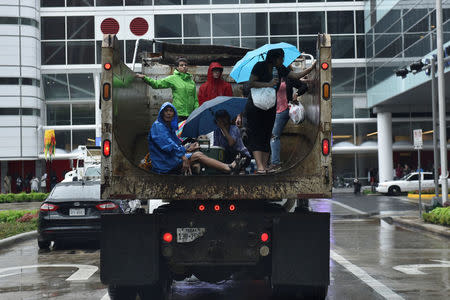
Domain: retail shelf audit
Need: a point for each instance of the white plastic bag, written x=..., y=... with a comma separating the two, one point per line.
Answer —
x=264, y=98
x=297, y=113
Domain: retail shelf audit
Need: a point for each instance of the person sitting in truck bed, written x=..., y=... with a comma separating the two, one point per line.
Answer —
x=167, y=153
x=229, y=137
x=183, y=87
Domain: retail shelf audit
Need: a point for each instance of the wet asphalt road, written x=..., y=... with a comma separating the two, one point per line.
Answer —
x=364, y=252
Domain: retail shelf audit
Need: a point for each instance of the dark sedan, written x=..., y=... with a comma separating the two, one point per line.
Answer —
x=72, y=212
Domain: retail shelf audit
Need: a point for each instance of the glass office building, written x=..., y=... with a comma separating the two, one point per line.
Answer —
x=69, y=34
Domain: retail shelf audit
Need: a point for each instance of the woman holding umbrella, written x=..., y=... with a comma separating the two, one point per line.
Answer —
x=260, y=122
x=183, y=88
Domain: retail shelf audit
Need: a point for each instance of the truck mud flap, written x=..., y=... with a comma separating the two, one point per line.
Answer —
x=129, y=250
x=301, y=249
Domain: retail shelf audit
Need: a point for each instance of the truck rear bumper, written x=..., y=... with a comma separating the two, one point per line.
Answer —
x=133, y=251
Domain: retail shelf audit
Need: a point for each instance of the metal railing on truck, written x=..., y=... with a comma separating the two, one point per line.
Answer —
x=129, y=107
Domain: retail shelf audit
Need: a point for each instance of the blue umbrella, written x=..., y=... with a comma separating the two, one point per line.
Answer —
x=201, y=120
x=243, y=68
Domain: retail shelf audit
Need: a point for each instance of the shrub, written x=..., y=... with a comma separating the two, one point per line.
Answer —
x=8, y=216
x=439, y=215
x=23, y=197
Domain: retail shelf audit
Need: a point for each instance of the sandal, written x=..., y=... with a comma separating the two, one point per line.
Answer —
x=261, y=172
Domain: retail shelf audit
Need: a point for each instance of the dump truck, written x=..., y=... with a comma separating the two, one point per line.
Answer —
x=212, y=226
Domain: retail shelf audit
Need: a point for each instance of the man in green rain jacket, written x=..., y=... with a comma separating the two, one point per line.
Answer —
x=184, y=91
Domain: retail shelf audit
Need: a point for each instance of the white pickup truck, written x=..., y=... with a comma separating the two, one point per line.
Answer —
x=409, y=182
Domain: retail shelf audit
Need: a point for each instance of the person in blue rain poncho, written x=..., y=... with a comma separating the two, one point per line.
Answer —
x=167, y=153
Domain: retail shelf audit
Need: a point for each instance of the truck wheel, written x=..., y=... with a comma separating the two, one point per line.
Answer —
x=44, y=244
x=394, y=190
x=158, y=291
x=117, y=292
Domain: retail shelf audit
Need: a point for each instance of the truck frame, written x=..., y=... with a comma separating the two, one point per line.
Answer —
x=212, y=226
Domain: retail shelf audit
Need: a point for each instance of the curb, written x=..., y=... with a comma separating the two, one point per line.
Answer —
x=419, y=224
x=424, y=196
x=18, y=238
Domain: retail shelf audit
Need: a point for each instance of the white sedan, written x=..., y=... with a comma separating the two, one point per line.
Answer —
x=408, y=183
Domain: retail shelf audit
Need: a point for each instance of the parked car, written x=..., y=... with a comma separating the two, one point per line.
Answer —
x=72, y=212
x=409, y=182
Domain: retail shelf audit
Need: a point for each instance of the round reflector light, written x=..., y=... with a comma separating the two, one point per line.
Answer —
x=325, y=66
x=216, y=207
x=107, y=66
x=167, y=237
x=201, y=207
x=264, y=237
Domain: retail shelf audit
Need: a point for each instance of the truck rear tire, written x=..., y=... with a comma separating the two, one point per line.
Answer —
x=158, y=291
x=117, y=292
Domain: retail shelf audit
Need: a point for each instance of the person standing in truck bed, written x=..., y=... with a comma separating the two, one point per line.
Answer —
x=214, y=85
x=183, y=88
x=167, y=153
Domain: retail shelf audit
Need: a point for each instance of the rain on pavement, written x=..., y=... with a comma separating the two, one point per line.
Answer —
x=365, y=248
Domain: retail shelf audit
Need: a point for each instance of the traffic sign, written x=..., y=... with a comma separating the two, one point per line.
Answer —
x=418, y=142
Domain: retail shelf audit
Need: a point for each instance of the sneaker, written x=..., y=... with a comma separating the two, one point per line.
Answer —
x=274, y=168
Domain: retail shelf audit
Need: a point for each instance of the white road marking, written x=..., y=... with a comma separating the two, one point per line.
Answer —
x=105, y=297
x=345, y=206
x=10, y=274
x=366, y=278
x=83, y=272
x=414, y=269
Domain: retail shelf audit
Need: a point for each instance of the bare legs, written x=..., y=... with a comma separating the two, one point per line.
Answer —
x=210, y=162
x=261, y=159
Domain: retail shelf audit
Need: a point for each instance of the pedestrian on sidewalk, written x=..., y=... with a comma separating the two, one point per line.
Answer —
x=34, y=185
x=44, y=183
x=7, y=184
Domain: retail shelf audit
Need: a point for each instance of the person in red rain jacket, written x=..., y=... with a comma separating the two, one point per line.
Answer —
x=214, y=85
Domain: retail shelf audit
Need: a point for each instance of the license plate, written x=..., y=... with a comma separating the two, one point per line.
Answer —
x=187, y=235
x=77, y=212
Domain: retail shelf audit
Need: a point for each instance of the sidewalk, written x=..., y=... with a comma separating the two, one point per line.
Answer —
x=418, y=224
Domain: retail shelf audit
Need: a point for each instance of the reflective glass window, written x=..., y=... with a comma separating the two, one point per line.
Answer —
x=53, y=53
x=360, y=84
x=204, y=41
x=8, y=111
x=109, y=2
x=53, y=28
x=80, y=53
x=83, y=114
x=360, y=21
x=9, y=81
x=280, y=39
x=253, y=24
x=254, y=43
x=225, y=25
x=195, y=2
x=366, y=132
x=360, y=46
x=167, y=26
x=224, y=1
x=401, y=132
x=340, y=22
x=82, y=137
x=281, y=1
x=52, y=3
x=412, y=17
x=197, y=25
x=307, y=44
x=167, y=2
x=55, y=86
x=62, y=138
x=253, y=1
x=343, y=46
x=138, y=2
x=226, y=41
x=283, y=23
x=386, y=22
x=342, y=132
x=343, y=80
x=9, y=20
x=129, y=46
x=362, y=113
x=74, y=3
x=311, y=22
x=58, y=114
x=342, y=108
x=31, y=112
x=420, y=48
x=80, y=27
x=81, y=86
x=311, y=0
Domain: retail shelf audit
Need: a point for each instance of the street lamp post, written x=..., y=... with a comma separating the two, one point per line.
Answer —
x=441, y=95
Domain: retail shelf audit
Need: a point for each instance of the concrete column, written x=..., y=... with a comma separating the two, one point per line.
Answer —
x=98, y=112
x=385, y=158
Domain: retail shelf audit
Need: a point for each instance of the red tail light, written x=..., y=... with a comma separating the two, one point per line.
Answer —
x=106, y=148
x=264, y=237
x=325, y=147
x=106, y=206
x=107, y=66
x=232, y=207
x=167, y=237
x=48, y=207
x=325, y=65
x=216, y=207
x=201, y=207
